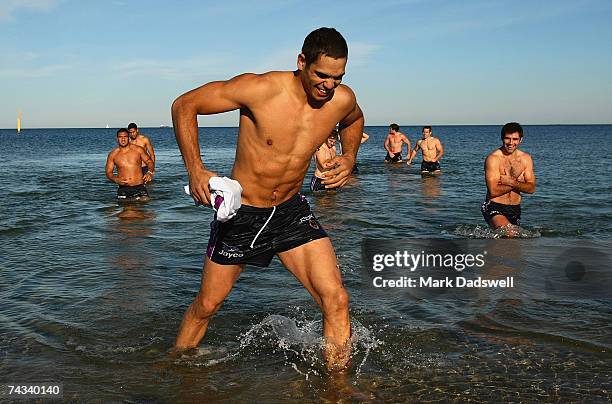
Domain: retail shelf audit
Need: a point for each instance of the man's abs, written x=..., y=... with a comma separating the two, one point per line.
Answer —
x=261, y=189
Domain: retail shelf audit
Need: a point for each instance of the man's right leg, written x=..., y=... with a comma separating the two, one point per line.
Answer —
x=217, y=282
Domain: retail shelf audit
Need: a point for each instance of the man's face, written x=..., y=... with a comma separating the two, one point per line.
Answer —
x=511, y=142
x=331, y=141
x=123, y=139
x=133, y=133
x=392, y=131
x=321, y=77
x=426, y=133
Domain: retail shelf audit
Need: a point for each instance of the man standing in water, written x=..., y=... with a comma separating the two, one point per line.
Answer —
x=508, y=172
x=432, y=150
x=284, y=118
x=141, y=140
x=326, y=152
x=393, y=144
x=128, y=158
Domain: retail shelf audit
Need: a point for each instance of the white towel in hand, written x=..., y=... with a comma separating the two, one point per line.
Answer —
x=225, y=194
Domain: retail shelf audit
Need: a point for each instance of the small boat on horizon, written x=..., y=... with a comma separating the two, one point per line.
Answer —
x=107, y=127
x=19, y=122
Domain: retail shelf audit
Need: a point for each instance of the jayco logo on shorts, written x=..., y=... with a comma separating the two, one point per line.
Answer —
x=231, y=253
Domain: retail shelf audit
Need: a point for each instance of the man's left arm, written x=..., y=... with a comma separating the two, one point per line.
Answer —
x=407, y=141
x=439, y=150
x=351, y=128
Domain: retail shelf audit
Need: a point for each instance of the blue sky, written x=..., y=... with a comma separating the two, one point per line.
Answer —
x=67, y=63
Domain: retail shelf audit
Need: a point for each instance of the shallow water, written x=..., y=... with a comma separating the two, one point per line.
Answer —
x=92, y=292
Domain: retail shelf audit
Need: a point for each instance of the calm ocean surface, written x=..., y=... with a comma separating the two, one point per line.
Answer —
x=92, y=292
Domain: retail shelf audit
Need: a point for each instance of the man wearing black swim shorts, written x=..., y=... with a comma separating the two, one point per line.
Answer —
x=128, y=158
x=284, y=118
x=508, y=173
x=394, y=143
x=432, y=150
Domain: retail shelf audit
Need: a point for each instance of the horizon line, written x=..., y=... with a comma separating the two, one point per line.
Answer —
x=366, y=126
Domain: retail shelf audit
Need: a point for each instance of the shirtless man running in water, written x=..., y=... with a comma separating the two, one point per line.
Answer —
x=128, y=158
x=284, y=117
x=325, y=153
x=508, y=172
x=393, y=144
x=432, y=150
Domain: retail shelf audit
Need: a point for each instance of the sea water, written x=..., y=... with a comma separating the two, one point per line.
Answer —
x=92, y=291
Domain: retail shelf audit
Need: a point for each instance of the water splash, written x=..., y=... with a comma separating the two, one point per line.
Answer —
x=485, y=232
x=301, y=342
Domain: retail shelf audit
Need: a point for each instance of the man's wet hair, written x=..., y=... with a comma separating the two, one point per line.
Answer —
x=324, y=41
x=394, y=126
x=334, y=134
x=512, y=127
x=132, y=126
x=427, y=127
x=123, y=130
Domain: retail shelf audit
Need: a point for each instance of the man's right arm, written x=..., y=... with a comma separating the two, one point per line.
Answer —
x=492, y=178
x=388, y=145
x=110, y=166
x=412, y=154
x=211, y=98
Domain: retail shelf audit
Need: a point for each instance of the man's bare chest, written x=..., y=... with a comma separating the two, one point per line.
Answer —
x=292, y=131
x=513, y=166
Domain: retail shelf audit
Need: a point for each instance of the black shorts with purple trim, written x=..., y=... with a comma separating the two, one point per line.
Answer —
x=255, y=235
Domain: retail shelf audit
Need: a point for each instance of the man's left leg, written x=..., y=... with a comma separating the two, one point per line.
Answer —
x=314, y=264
